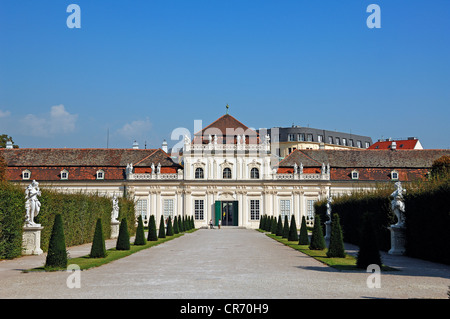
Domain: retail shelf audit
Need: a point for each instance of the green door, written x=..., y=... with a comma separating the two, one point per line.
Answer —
x=217, y=212
x=227, y=212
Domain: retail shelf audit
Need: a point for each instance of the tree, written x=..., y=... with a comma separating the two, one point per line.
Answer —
x=175, y=225
x=169, y=227
x=139, y=240
x=162, y=226
x=293, y=235
x=303, y=238
x=57, y=253
x=151, y=236
x=279, y=227
x=441, y=167
x=317, y=239
x=368, y=249
x=4, y=138
x=123, y=240
x=98, y=249
x=336, y=247
x=286, y=227
x=274, y=225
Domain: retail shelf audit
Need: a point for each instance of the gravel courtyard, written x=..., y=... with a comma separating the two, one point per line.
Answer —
x=225, y=264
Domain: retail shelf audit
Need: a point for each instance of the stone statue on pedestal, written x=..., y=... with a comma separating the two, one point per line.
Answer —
x=398, y=205
x=115, y=211
x=32, y=204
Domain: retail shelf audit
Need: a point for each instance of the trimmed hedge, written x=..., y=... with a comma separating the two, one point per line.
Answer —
x=12, y=219
x=351, y=208
x=79, y=211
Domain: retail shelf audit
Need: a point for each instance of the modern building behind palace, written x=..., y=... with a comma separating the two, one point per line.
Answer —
x=228, y=171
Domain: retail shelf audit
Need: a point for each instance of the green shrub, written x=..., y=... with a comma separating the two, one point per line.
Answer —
x=285, y=227
x=317, y=239
x=57, y=253
x=273, y=227
x=98, y=249
x=176, y=230
x=151, y=236
x=169, y=227
x=279, y=227
x=180, y=225
x=140, y=235
x=162, y=226
x=368, y=250
x=12, y=219
x=293, y=235
x=336, y=246
x=123, y=240
x=303, y=238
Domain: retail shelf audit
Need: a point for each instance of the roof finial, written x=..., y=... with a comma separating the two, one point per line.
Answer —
x=227, y=107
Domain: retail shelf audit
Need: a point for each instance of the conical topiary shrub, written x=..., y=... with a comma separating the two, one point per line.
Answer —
x=151, y=236
x=273, y=227
x=169, y=227
x=285, y=227
x=139, y=239
x=162, y=226
x=336, y=246
x=279, y=227
x=57, y=253
x=176, y=230
x=123, y=240
x=317, y=239
x=303, y=238
x=293, y=235
x=368, y=249
x=180, y=225
x=98, y=248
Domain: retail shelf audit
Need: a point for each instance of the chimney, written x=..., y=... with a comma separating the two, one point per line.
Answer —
x=164, y=146
x=135, y=145
x=9, y=145
x=393, y=146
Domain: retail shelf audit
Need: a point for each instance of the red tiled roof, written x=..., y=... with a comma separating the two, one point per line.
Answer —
x=401, y=145
x=225, y=126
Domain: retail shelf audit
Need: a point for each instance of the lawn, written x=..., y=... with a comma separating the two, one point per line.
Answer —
x=347, y=263
x=85, y=262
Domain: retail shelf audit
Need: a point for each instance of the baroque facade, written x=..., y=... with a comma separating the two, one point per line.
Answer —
x=227, y=173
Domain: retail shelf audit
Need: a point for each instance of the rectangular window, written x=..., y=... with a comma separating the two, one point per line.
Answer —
x=291, y=137
x=319, y=138
x=168, y=208
x=141, y=209
x=350, y=143
x=359, y=144
x=344, y=141
x=301, y=137
x=338, y=141
x=285, y=209
x=254, y=209
x=199, y=209
x=310, y=137
x=310, y=212
x=330, y=140
x=367, y=144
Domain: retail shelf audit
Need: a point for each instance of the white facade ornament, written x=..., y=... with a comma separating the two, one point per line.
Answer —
x=129, y=169
x=329, y=201
x=153, y=168
x=32, y=204
x=301, y=168
x=115, y=211
x=295, y=168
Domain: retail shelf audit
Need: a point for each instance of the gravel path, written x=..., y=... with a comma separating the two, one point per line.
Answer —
x=222, y=264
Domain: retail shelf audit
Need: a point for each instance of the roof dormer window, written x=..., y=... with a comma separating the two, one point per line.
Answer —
x=100, y=174
x=26, y=174
x=64, y=175
x=394, y=175
x=355, y=174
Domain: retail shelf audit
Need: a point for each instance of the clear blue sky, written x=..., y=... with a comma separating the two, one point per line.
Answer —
x=140, y=69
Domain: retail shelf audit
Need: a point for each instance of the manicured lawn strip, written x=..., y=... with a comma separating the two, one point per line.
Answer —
x=85, y=262
x=348, y=263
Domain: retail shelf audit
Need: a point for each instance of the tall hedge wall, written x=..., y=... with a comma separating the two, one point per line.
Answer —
x=352, y=209
x=12, y=218
x=428, y=222
x=79, y=211
x=427, y=217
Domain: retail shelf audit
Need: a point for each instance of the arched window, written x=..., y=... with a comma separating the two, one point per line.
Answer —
x=254, y=173
x=199, y=173
x=226, y=173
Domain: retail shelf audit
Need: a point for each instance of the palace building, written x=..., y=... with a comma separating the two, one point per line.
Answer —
x=227, y=172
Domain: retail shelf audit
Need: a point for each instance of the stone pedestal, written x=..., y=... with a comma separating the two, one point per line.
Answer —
x=327, y=229
x=397, y=240
x=114, y=229
x=31, y=240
